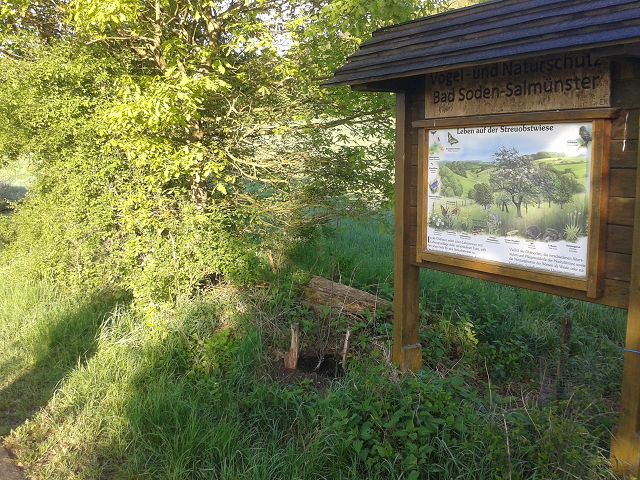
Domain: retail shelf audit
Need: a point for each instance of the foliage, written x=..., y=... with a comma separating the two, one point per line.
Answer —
x=174, y=144
x=514, y=174
x=573, y=229
x=482, y=194
x=406, y=427
x=176, y=141
x=459, y=168
x=451, y=186
x=188, y=393
x=566, y=188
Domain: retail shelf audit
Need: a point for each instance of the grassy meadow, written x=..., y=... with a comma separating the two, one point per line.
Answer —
x=190, y=172
x=499, y=217
x=92, y=388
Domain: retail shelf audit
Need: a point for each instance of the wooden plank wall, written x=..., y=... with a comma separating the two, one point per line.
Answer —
x=625, y=76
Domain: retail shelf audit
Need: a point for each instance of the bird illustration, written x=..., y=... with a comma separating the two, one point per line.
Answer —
x=585, y=135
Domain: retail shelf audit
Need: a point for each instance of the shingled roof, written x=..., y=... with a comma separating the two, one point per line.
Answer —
x=489, y=32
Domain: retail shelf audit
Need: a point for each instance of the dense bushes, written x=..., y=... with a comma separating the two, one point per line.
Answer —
x=177, y=141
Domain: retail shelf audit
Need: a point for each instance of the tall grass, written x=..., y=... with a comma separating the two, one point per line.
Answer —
x=518, y=330
x=188, y=392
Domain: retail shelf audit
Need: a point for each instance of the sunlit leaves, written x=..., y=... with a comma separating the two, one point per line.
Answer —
x=167, y=112
x=104, y=16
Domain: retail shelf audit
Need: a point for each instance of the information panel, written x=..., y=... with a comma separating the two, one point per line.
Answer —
x=515, y=195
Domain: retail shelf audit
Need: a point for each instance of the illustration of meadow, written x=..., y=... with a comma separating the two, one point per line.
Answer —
x=541, y=196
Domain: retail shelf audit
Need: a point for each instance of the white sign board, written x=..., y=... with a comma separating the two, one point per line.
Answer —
x=515, y=195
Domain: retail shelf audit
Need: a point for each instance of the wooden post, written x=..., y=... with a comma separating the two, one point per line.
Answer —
x=406, y=352
x=563, y=358
x=625, y=446
x=291, y=357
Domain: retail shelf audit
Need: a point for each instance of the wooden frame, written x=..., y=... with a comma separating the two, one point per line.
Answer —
x=592, y=283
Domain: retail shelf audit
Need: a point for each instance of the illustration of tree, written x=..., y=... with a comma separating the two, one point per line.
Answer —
x=546, y=183
x=482, y=194
x=515, y=175
x=502, y=201
x=566, y=187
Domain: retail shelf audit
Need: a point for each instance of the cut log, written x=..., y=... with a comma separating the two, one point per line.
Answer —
x=322, y=294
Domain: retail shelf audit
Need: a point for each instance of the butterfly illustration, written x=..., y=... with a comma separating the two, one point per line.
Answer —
x=433, y=186
x=452, y=140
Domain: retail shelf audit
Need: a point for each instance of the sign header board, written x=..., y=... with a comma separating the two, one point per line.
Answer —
x=568, y=81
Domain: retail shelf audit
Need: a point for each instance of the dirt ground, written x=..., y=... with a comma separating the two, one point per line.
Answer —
x=8, y=469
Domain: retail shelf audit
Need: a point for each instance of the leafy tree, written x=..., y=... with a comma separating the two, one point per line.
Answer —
x=515, y=175
x=546, y=183
x=190, y=131
x=482, y=194
x=458, y=168
x=502, y=200
x=566, y=186
x=541, y=155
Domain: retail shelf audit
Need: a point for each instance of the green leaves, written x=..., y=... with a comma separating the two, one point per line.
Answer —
x=405, y=427
x=164, y=112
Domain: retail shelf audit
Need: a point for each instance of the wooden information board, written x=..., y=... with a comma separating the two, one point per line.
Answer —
x=520, y=200
x=565, y=82
x=556, y=211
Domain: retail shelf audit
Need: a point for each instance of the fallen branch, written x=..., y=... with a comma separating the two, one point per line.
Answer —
x=321, y=294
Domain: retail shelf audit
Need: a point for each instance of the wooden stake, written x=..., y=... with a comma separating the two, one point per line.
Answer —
x=291, y=357
x=406, y=352
x=625, y=446
x=345, y=348
x=563, y=359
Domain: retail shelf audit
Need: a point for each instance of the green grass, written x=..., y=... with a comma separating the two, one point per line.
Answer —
x=474, y=175
x=44, y=335
x=481, y=173
x=575, y=165
x=15, y=180
x=519, y=327
x=543, y=216
x=109, y=391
